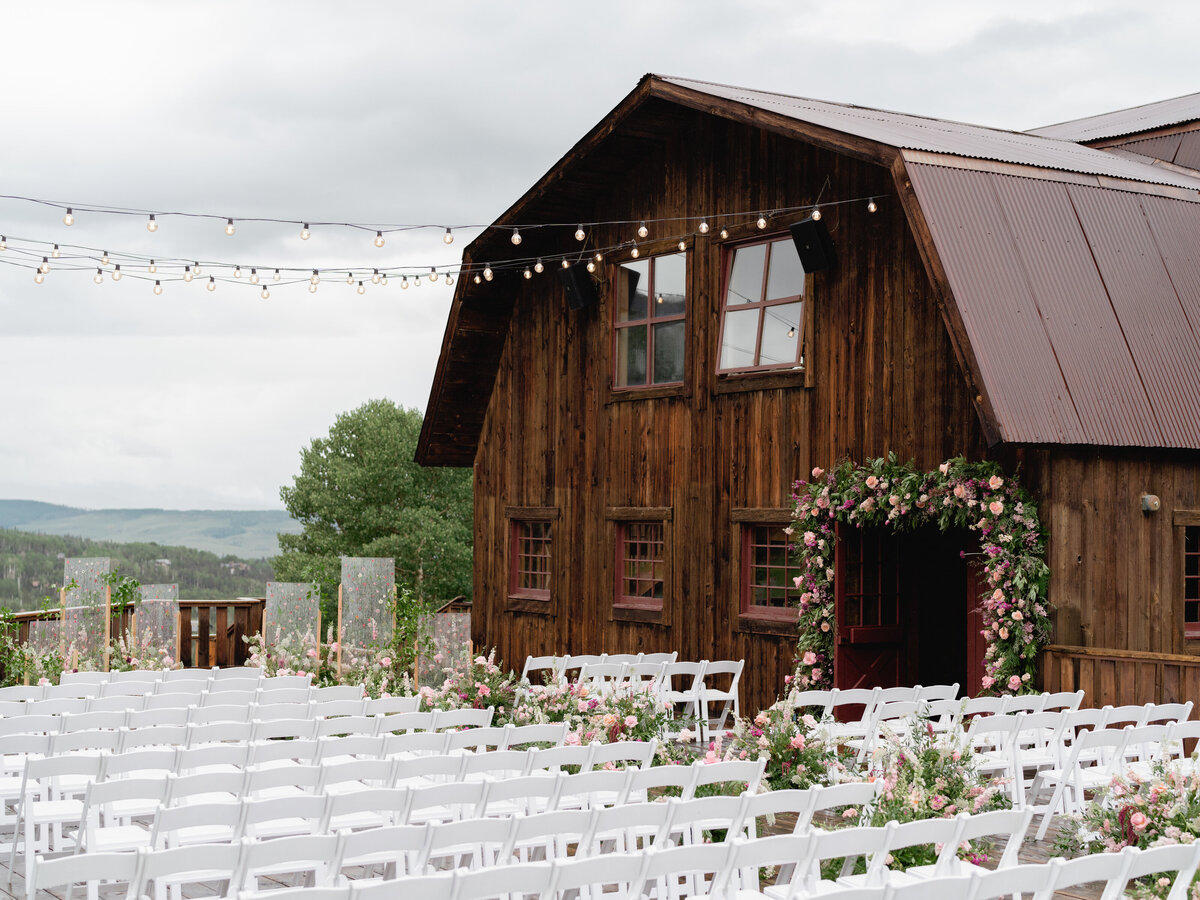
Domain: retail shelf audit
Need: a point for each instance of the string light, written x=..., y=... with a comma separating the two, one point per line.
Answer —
x=761, y=223
x=528, y=273
x=449, y=279
x=599, y=257
x=276, y=275
x=703, y=227
x=635, y=252
x=383, y=280
x=871, y=205
x=816, y=215
x=116, y=274
x=266, y=294
x=487, y=272
x=3, y=242
x=99, y=276
x=682, y=246
x=565, y=264
x=792, y=331
x=416, y=281
x=196, y=268
x=643, y=231
x=55, y=253
x=254, y=276
x=379, y=242
x=478, y=280
x=361, y=288
x=312, y=288
x=579, y=233
x=229, y=227
x=516, y=237
x=538, y=267
x=152, y=268
x=38, y=277
x=152, y=223
x=433, y=276
x=658, y=299
x=69, y=218
x=157, y=287
x=724, y=234
x=45, y=266
x=404, y=282
x=305, y=232
x=187, y=273
x=447, y=238
x=350, y=278
x=316, y=278
x=591, y=266
x=237, y=271
x=212, y=283
x=376, y=277
x=104, y=258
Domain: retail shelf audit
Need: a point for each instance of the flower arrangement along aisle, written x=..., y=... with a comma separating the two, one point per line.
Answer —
x=1135, y=812
x=478, y=685
x=958, y=494
x=797, y=747
x=628, y=713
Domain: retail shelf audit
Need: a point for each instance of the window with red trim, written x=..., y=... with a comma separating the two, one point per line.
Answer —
x=762, y=313
x=1191, y=581
x=649, y=330
x=530, y=563
x=768, y=572
x=641, y=567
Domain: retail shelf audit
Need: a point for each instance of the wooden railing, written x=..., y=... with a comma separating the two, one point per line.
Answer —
x=210, y=631
x=1120, y=677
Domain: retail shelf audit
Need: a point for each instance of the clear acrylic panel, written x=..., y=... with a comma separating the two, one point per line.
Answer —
x=85, y=636
x=781, y=334
x=745, y=281
x=84, y=581
x=785, y=277
x=446, y=643
x=368, y=590
x=159, y=592
x=292, y=608
x=739, y=338
x=45, y=636
x=156, y=624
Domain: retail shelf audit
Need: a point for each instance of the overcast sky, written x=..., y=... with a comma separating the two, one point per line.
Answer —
x=409, y=112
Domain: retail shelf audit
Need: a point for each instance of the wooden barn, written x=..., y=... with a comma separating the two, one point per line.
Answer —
x=1028, y=298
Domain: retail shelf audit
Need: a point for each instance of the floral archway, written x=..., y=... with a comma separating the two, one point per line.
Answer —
x=958, y=494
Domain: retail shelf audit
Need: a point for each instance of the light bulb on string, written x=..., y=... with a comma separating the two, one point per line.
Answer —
x=579, y=233
x=635, y=252
x=187, y=273
x=196, y=267
x=104, y=258
x=404, y=282
x=116, y=273
x=761, y=223
x=237, y=271
x=871, y=205
x=275, y=277
x=152, y=223
x=658, y=299
x=724, y=234
x=591, y=266
x=538, y=267
x=230, y=228
x=682, y=246
x=376, y=277
x=157, y=286
x=487, y=273
x=69, y=218
x=478, y=280
x=312, y=288
x=305, y=233
x=99, y=276
x=816, y=215
x=45, y=266
x=212, y=283
x=643, y=231
x=266, y=293
x=38, y=277
x=350, y=278
x=433, y=275
x=792, y=331
x=254, y=276
x=316, y=278
x=703, y=227
x=152, y=268
x=361, y=288
x=528, y=273
x=516, y=237
x=55, y=254
x=448, y=238
x=383, y=279
x=565, y=263
x=416, y=281
x=599, y=257
x=379, y=242
x=449, y=279
x=3, y=242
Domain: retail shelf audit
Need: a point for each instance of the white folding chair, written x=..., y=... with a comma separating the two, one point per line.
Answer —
x=201, y=676
x=349, y=747
x=51, y=691
x=277, y=817
x=548, y=668
x=847, y=844
x=285, y=682
x=58, y=706
x=740, y=878
x=396, y=848
x=238, y=673
x=295, y=854
x=145, y=718
x=593, y=789
x=462, y=718
x=50, y=800
x=21, y=693
x=30, y=724
x=365, y=810
x=229, y=697
x=196, y=823
x=525, y=795
x=684, y=871
x=109, y=808
x=467, y=843
x=410, y=744
x=680, y=691
x=479, y=739
x=525, y=879
x=89, y=869
x=408, y=722
x=388, y=705
x=204, y=715
x=1063, y=700
x=1012, y=824
x=337, y=692
x=788, y=802
x=687, y=820
x=746, y=773
x=549, y=835
x=357, y=725
x=427, y=887
x=446, y=802
x=286, y=728
x=1182, y=859
x=169, y=869
x=1076, y=777
x=552, y=733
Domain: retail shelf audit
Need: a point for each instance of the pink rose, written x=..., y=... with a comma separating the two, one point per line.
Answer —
x=996, y=507
x=385, y=661
x=817, y=472
x=797, y=742
x=816, y=674
x=1139, y=821
x=311, y=653
x=1017, y=615
x=572, y=739
x=1014, y=682
x=872, y=482
x=987, y=681
x=944, y=468
x=995, y=482
x=484, y=690
x=797, y=580
x=809, y=658
x=630, y=721
x=960, y=491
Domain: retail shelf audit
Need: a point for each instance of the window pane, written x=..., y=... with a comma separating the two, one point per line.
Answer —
x=668, y=352
x=631, y=356
x=786, y=275
x=745, y=281
x=670, y=284
x=737, y=343
x=777, y=346
x=633, y=283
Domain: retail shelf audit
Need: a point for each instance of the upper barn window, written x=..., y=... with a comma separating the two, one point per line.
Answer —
x=1191, y=581
x=762, y=314
x=648, y=328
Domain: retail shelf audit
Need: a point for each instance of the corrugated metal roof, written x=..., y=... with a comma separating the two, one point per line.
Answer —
x=942, y=136
x=1082, y=304
x=1146, y=117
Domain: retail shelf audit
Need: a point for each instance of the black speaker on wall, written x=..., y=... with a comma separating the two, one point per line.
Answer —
x=577, y=282
x=814, y=245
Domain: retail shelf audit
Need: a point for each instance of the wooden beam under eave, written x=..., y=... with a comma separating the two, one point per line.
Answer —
x=951, y=315
x=787, y=126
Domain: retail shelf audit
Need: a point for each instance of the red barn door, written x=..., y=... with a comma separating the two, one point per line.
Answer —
x=872, y=639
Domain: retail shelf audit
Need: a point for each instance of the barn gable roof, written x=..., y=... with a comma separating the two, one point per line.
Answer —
x=1122, y=122
x=1071, y=275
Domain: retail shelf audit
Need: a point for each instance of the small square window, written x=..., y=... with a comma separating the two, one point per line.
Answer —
x=649, y=331
x=641, y=565
x=530, y=559
x=768, y=571
x=1191, y=581
x=762, y=313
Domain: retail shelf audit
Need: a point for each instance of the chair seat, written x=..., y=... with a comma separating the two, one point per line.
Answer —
x=118, y=837
x=285, y=827
x=358, y=821
x=201, y=834
x=40, y=811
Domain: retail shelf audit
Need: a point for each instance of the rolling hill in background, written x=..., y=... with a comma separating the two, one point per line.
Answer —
x=247, y=534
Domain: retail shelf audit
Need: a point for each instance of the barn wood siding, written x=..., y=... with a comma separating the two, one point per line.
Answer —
x=884, y=379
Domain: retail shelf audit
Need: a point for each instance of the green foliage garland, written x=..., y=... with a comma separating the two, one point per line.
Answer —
x=958, y=494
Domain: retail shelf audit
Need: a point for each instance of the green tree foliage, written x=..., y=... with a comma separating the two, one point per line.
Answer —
x=359, y=493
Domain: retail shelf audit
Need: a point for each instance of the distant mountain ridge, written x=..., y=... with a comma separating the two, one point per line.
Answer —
x=245, y=533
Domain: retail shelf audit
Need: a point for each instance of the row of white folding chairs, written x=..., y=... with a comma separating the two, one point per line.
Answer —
x=89, y=683
x=558, y=667
x=293, y=688
x=829, y=700
x=721, y=871
x=384, y=715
